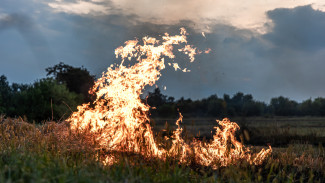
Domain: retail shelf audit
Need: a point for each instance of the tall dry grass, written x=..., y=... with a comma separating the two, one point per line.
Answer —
x=53, y=153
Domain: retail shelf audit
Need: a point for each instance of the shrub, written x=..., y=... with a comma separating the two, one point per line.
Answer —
x=44, y=100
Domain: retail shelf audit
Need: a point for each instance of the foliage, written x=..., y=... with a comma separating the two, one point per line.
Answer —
x=32, y=102
x=53, y=153
x=77, y=79
x=46, y=100
x=213, y=106
x=237, y=105
x=315, y=108
x=282, y=106
x=43, y=100
x=5, y=94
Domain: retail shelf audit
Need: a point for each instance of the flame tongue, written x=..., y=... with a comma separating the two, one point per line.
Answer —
x=120, y=120
x=119, y=114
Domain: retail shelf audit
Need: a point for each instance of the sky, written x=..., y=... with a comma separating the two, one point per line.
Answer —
x=265, y=48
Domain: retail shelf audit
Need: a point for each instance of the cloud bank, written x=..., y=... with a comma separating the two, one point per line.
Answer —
x=250, y=14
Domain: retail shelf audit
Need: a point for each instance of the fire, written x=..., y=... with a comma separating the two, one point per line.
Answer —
x=120, y=121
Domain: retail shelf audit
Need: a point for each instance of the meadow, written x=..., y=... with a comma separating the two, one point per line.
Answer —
x=52, y=153
x=277, y=130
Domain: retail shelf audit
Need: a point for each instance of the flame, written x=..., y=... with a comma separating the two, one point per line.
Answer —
x=119, y=119
x=203, y=34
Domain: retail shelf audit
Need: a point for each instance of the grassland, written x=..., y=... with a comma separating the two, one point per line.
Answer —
x=277, y=131
x=42, y=153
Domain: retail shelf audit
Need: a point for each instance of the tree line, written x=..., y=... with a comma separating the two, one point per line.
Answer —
x=51, y=98
x=238, y=105
x=65, y=87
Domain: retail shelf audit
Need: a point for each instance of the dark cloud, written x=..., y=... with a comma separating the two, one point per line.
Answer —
x=296, y=46
x=18, y=21
x=286, y=61
x=300, y=28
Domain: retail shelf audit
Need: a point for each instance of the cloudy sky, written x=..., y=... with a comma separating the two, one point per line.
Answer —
x=264, y=48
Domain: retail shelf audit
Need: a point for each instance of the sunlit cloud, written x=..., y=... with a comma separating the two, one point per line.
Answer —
x=79, y=7
x=248, y=15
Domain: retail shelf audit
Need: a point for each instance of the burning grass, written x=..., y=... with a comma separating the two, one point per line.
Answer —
x=120, y=122
x=39, y=153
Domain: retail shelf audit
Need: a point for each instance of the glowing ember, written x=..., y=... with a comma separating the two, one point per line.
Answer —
x=119, y=120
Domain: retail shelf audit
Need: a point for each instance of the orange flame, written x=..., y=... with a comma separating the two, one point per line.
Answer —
x=120, y=119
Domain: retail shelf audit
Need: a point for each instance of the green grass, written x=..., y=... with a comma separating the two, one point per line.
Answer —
x=42, y=153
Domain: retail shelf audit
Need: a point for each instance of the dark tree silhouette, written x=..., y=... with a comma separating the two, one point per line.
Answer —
x=77, y=79
x=282, y=106
x=156, y=98
x=5, y=94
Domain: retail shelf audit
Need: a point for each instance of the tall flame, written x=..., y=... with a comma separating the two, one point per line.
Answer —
x=119, y=119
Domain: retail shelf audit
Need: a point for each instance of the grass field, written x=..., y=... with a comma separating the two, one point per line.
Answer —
x=40, y=153
x=278, y=131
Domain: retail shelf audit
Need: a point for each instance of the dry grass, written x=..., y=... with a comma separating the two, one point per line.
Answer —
x=52, y=153
x=278, y=131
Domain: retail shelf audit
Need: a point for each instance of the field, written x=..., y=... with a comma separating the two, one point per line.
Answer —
x=40, y=153
x=278, y=131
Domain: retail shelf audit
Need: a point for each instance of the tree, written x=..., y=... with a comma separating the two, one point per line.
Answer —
x=77, y=79
x=5, y=94
x=161, y=105
x=215, y=106
x=319, y=104
x=230, y=110
x=185, y=106
x=282, y=106
x=156, y=98
x=307, y=108
x=313, y=108
x=45, y=100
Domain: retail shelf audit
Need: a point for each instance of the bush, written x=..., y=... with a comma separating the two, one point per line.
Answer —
x=45, y=100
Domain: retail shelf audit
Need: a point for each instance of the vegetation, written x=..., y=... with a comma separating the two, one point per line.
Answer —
x=77, y=79
x=258, y=131
x=45, y=98
x=52, y=98
x=238, y=105
x=53, y=153
x=57, y=96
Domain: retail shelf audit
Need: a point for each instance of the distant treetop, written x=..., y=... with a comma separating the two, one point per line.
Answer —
x=77, y=79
